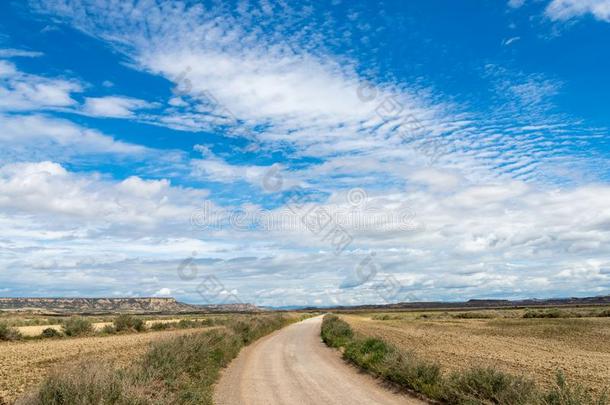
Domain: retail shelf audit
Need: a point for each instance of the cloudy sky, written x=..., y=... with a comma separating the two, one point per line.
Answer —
x=305, y=153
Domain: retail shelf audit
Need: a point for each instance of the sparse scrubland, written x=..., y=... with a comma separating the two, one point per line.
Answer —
x=438, y=360
x=180, y=369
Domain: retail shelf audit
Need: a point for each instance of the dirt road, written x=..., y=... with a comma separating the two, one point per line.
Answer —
x=292, y=366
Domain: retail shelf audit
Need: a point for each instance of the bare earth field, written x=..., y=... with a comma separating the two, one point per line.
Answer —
x=24, y=364
x=535, y=347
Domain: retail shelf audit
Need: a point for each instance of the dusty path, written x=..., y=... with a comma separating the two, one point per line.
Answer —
x=292, y=366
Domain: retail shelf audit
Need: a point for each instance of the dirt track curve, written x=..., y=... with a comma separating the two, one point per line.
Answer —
x=292, y=366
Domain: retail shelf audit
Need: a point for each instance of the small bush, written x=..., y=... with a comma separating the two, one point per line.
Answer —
x=161, y=326
x=108, y=330
x=368, y=353
x=604, y=313
x=382, y=317
x=9, y=333
x=77, y=326
x=89, y=383
x=50, y=333
x=126, y=322
x=564, y=394
x=186, y=324
x=335, y=331
x=489, y=386
x=472, y=315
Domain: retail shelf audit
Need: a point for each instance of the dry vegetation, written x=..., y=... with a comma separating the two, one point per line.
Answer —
x=535, y=344
x=180, y=370
x=23, y=364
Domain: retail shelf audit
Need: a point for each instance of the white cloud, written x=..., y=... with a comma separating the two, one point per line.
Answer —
x=164, y=291
x=114, y=106
x=23, y=136
x=47, y=190
x=516, y=3
x=511, y=40
x=11, y=53
x=21, y=91
x=501, y=238
x=563, y=10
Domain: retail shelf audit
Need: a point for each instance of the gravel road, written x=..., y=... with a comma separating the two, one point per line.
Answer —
x=293, y=366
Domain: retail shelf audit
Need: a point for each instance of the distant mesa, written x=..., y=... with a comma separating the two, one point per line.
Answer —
x=479, y=304
x=115, y=305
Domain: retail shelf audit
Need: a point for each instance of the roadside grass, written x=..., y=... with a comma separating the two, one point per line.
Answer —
x=180, y=370
x=472, y=386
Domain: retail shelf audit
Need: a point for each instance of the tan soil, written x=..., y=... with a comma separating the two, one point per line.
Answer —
x=536, y=348
x=24, y=364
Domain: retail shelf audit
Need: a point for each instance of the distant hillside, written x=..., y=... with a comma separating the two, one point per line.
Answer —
x=483, y=303
x=112, y=305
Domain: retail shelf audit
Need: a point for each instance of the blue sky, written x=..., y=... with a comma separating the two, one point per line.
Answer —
x=305, y=153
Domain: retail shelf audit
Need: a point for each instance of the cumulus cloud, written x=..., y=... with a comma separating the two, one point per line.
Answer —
x=484, y=239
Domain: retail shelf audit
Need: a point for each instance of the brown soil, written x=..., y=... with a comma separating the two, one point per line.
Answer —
x=24, y=364
x=536, y=348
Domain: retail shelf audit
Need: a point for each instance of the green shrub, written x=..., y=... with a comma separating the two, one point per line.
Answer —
x=368, y=353
x=161, y=326
x=126, y=322
x=551, y=313
x=50, y=333
x=9, y=333
x=335, y=331
x=489, y=386
x=473, y=315
x=77, y=326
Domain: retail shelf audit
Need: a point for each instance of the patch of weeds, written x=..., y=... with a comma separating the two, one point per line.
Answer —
x=77, y=326
x=564, y=394
x=549, y=313
x=489, y=386
x=8, y=333
x=335, y=331
x=125, y=322
x=51, y=333
x=161, y=326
